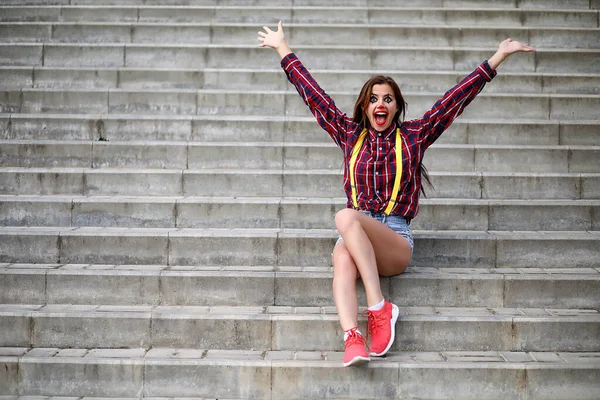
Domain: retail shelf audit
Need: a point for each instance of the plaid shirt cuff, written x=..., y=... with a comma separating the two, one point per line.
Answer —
x=486, y=71
x=287, y=61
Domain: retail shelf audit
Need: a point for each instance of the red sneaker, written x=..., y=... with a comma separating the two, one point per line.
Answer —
x=382, y=328
x=355, y=352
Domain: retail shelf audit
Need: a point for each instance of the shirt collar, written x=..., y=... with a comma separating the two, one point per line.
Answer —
x=385, y=134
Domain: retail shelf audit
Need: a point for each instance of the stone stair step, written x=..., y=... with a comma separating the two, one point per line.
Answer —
x=508, y=4
x=282, y=247
x=283, y=129
x=274, y=79
x=348, y=15
x=290, y=183
x=212, y=303
x=298, y=286
x=338, y=57
x=171, y=371
x=299, y=34
x=276, y=328
x=286, y=156
x=279, y=102
x=288, y=213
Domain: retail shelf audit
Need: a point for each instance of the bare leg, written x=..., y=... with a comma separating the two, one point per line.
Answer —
x=374, y=248
x=344, y=286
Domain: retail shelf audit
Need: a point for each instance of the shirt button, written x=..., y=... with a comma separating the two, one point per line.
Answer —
x=380, y=135
x=376, y=173
x=380, y=148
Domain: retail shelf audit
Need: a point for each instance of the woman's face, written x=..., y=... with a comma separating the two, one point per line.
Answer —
x=382, y=107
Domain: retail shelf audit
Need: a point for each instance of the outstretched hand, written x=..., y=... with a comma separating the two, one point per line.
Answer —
x=274, y=40
x=510, y=46
x=269, y=38
x=505, y=49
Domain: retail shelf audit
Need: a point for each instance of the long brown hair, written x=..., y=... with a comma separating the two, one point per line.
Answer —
x=362, y=103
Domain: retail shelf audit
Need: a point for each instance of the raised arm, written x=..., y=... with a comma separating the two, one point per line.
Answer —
x=338, y=125
x=454, y=101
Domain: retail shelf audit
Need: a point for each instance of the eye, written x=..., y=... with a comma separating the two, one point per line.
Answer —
x=373, y=99
x=388, y=99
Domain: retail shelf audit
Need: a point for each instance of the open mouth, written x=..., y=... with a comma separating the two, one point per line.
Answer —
x=380, y=117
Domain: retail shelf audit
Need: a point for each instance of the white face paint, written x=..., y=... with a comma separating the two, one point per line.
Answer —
x=382, y=107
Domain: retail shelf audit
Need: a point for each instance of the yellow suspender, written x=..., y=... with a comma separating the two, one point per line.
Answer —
x=355, y=150
x=398, y=177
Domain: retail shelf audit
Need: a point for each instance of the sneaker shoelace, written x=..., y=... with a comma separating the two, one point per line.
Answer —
x=353, y=338
x=374, y=321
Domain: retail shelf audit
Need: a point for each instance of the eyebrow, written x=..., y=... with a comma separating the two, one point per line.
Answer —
x=385, y=95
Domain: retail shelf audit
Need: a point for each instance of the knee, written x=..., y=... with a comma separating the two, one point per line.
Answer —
x=345, y=218
x=342, y=260
x=343, y=264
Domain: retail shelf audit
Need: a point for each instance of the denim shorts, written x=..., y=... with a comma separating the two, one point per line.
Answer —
x=396, y=222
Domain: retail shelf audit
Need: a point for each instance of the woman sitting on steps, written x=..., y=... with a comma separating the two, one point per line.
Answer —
x=382, y=180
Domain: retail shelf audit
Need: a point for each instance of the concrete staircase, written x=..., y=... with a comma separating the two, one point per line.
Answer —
x=167, y=202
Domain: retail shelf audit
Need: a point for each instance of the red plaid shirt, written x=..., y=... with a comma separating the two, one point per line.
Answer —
x=375, y=167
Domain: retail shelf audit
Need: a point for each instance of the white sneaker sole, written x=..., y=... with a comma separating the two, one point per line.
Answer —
x=395, y=313
x=358, y=360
